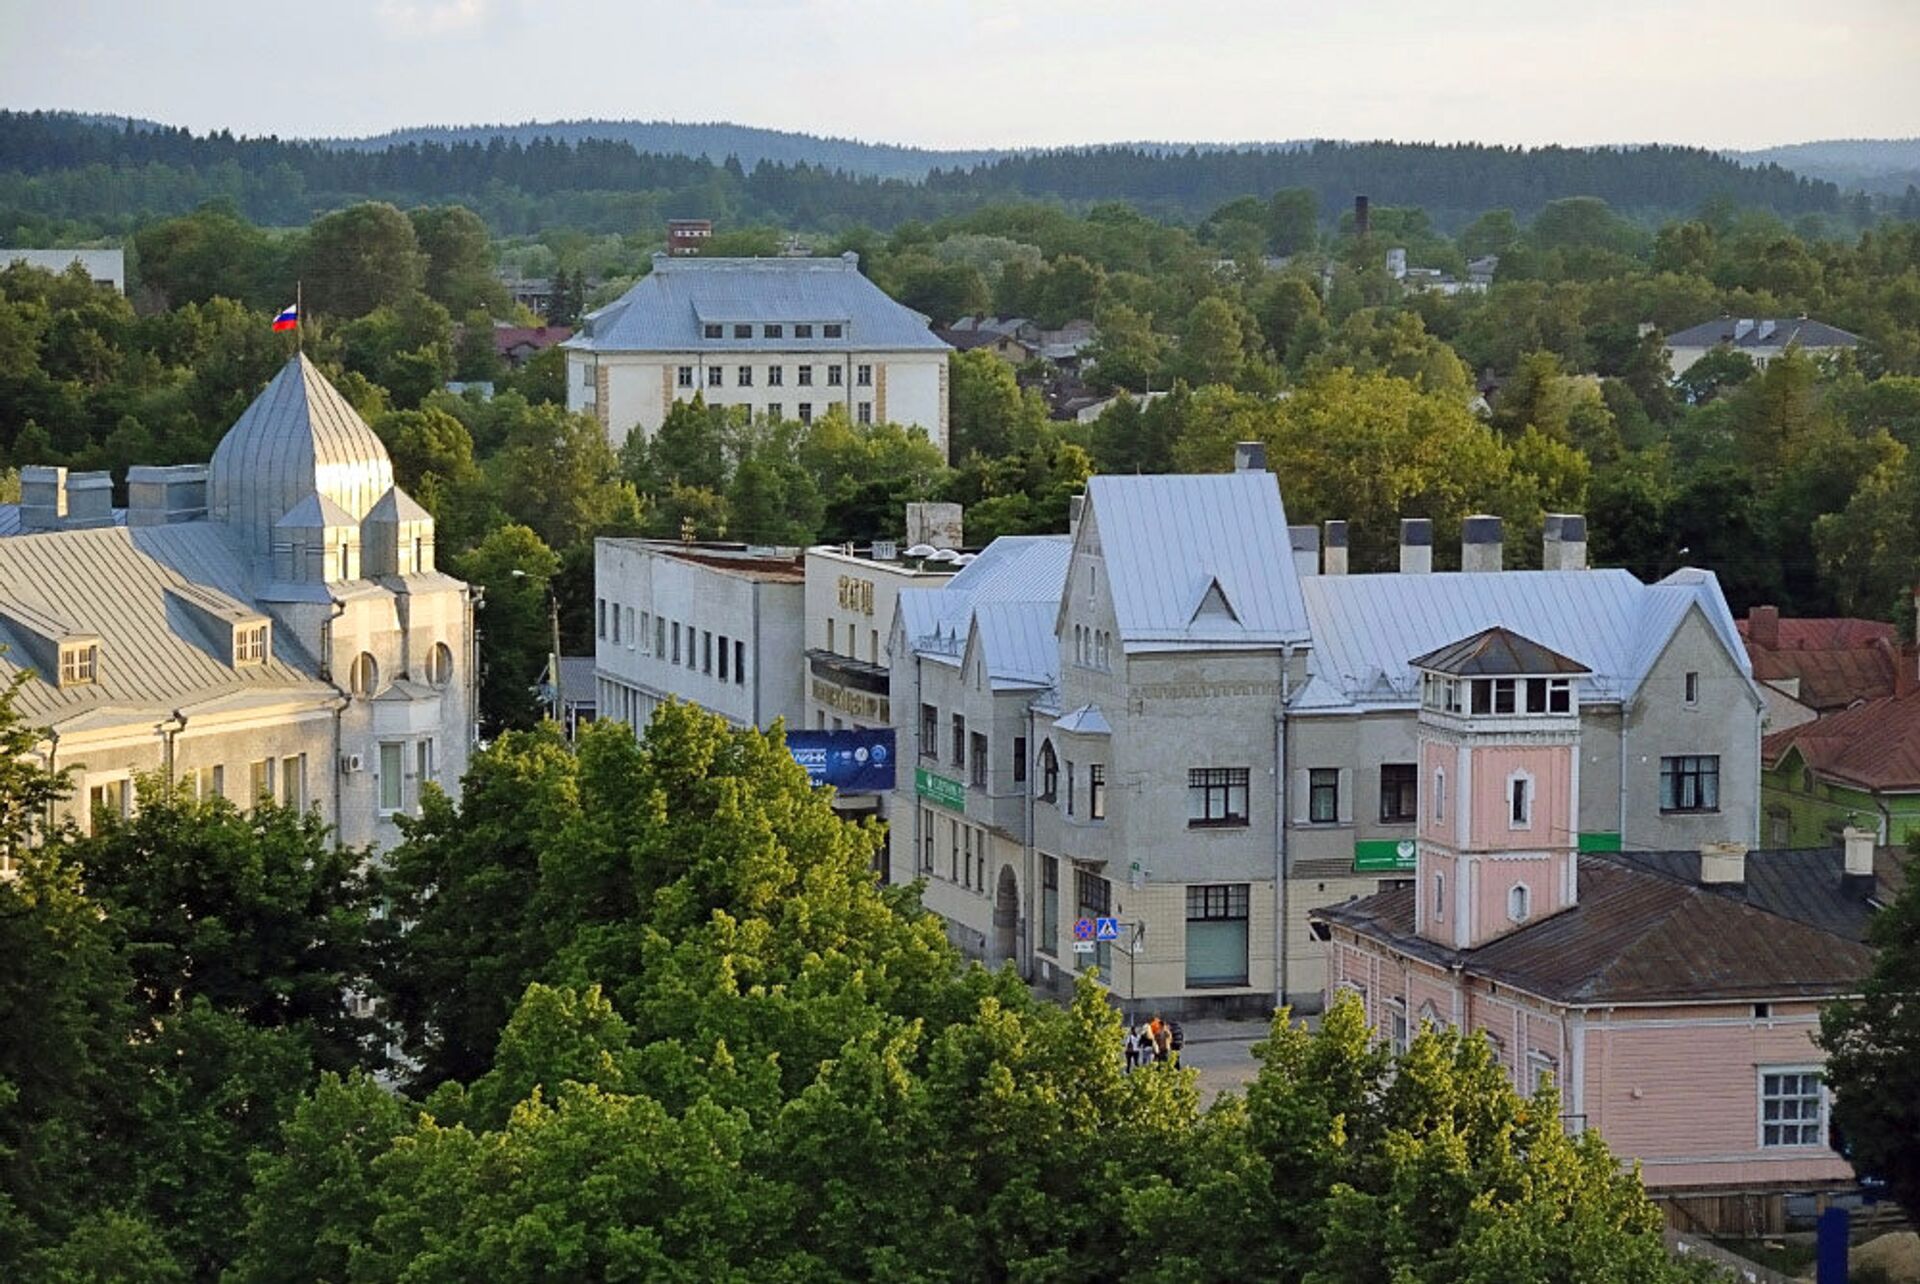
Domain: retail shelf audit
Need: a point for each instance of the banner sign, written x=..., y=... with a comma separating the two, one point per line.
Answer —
x=854, y=762
x=938, y=789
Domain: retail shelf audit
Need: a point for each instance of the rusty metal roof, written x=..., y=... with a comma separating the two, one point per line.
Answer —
x=1498, y=652
x=1641, y=936
x=1874, y=746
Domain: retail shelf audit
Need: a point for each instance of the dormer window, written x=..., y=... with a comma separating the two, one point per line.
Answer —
x=771, y=331
x=802, y=330
x=743, y=332
x=79, y=663
x=832, y=330
x=364, y=678
x=250, y=644
x=714, y=331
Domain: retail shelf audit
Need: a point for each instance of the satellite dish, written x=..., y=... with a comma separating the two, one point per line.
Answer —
x=921, y=550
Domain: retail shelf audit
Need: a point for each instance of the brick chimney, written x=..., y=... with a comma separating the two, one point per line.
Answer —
x=1763, y=627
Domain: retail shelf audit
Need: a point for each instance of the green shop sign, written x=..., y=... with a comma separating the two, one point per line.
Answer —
x=1383, y=855
x=1600, y=842
x=938, y=789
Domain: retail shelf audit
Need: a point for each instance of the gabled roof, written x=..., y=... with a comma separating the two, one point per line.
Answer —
x=1087, y=720
x=1367, y=627
x=1170, y=540
x=1875, y=746
x=1008, y=596
x=667, y=310
x=1763, y=332
x=1642, y=936
x=316, y=512
x=398, y=506
x=1498, y=652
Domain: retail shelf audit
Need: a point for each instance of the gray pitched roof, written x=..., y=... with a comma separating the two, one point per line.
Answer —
x=298, y=438
x=667, y=310
x=1008, y=595
x=1366, y=628
x=1762, y=332
x=1497, y=652
x=1198, y=561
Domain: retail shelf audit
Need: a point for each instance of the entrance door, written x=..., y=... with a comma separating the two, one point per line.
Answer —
x=1006, y=918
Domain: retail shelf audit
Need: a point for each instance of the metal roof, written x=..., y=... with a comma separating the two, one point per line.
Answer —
x=1009, y=594
x=298, y=438
x=1872, y=746
x=1366, y=628
x=1496, y=652
x=1639, y=936
x=10, y=520
x=667, y=310
x=1779, y=332
x=1087, y=720
x=1198, y=561
x=124, y=585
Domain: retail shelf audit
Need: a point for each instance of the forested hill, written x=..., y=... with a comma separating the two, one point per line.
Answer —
x=1885, y=165
x=58, y=168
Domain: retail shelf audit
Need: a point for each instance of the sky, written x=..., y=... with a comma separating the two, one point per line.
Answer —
x=993, y=73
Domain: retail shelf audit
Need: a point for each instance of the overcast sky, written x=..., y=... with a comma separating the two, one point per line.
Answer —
x=950, y=73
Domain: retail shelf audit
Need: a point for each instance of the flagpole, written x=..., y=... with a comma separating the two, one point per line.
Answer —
x=299, y=319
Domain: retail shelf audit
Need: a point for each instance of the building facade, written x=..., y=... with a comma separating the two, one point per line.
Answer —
x=786, y=338
x=1760, y=338
x=1231, y=740
x=270, y=624
x=1671, y=997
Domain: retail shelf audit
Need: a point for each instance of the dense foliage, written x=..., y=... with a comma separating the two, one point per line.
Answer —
x=67, y=167
x=659, y=1021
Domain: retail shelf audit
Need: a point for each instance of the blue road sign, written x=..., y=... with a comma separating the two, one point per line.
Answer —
x=1106, y=929
x=1083, y=929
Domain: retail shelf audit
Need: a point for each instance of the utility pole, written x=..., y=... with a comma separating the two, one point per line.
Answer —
x=559, y=689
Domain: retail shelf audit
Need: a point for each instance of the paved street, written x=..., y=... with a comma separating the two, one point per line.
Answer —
x=1222, y=1051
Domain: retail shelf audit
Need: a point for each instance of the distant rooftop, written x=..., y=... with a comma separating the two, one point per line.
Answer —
x=1763, y=332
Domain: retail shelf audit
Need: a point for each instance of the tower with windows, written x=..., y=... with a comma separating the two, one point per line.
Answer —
x=1500, y=777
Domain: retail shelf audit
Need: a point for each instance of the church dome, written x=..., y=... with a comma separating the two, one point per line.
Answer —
x=298, y=438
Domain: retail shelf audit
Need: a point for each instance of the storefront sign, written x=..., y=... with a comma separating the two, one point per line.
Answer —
x=855, y=594
x=1383, y=855
x=854, y=762
x=938, y=789
x=864, y=705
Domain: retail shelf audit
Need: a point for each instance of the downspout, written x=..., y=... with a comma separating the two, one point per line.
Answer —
x=326, y=672
x=1280, y=760
x=1034, y=892
x=476, y=601
x=53, y=754
x=756, y=657
x=172, y=727
x=1626, y=707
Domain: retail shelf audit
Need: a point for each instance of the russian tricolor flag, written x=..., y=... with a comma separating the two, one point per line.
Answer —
x=288, y=319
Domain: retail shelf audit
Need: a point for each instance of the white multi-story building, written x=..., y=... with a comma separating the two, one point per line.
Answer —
x=787, y=338
x=1221, y=736
x=267, y=625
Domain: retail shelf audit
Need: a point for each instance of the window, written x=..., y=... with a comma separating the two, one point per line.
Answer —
x=803, y=330
x=293, y=781
x=1520, y=801
x=715, y=376
x=745, y=378
x=1049, y=772
x=953, y=851
x=1019, y=760
x=79, y=664
x=1097, y=791
x=864, y=412
x=1560, y=695
x=1482, y=690
x=1323, y=795
x=109, y=796
x=250, y=644
x=1216, y=796
x=806, y=376
x=633, y=638
x=1519, y=903
x=772, y=331
x=1049, y=942
x=364, y=677
x=209, y=782
x=1792, y=1106
x=1503, y=695
x=926, y=841
x=260, y=781
x=1217, y=934
x=392, y=783
x=684, y=376
x=706, y=653
x=724, y=650
x=660, y=635
x=1541, y=1071
x=1399, y=793
x=863, y=376
x=714, y=331
x=1439, y=794
x=1070, y=786
x=1690, y=782
x=676, y=642
x=1692, y=685
x=966, y=864
x=980, y=760
x=776, y=410
x=616, y=623
x=806, y=412
x=776, y=376
x=834, y=376
x=1094, y=896
x=929, y=731
x=743, y=332
x=739, y=663
x=1439, y=897
x=423, y=760
x=1397, y=1025
x=959, y=740
x=832, y=330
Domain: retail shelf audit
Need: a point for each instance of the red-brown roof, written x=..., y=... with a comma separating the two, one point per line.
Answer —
x=1875, y=745
x=1831, y=679
x=1838, y=631
x=538, y=337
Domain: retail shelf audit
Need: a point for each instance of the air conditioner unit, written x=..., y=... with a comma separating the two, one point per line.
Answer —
x=352, y=762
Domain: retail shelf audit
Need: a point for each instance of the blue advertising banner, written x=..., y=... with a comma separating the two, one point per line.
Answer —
x=854, y=762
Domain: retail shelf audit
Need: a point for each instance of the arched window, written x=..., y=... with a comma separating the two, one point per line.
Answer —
x=440, y=664
x=365, y=675
x=1049, y=771
x=1519, y=902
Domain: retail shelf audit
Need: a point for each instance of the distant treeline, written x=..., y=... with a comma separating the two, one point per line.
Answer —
x=57, y=168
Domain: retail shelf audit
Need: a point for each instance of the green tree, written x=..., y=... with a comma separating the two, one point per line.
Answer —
x=1873, y=1055
x=359, y=258
x=1127, y=353
x=515, y=568
x=1293, y=220
x=459, y=259
x=1213, y=349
